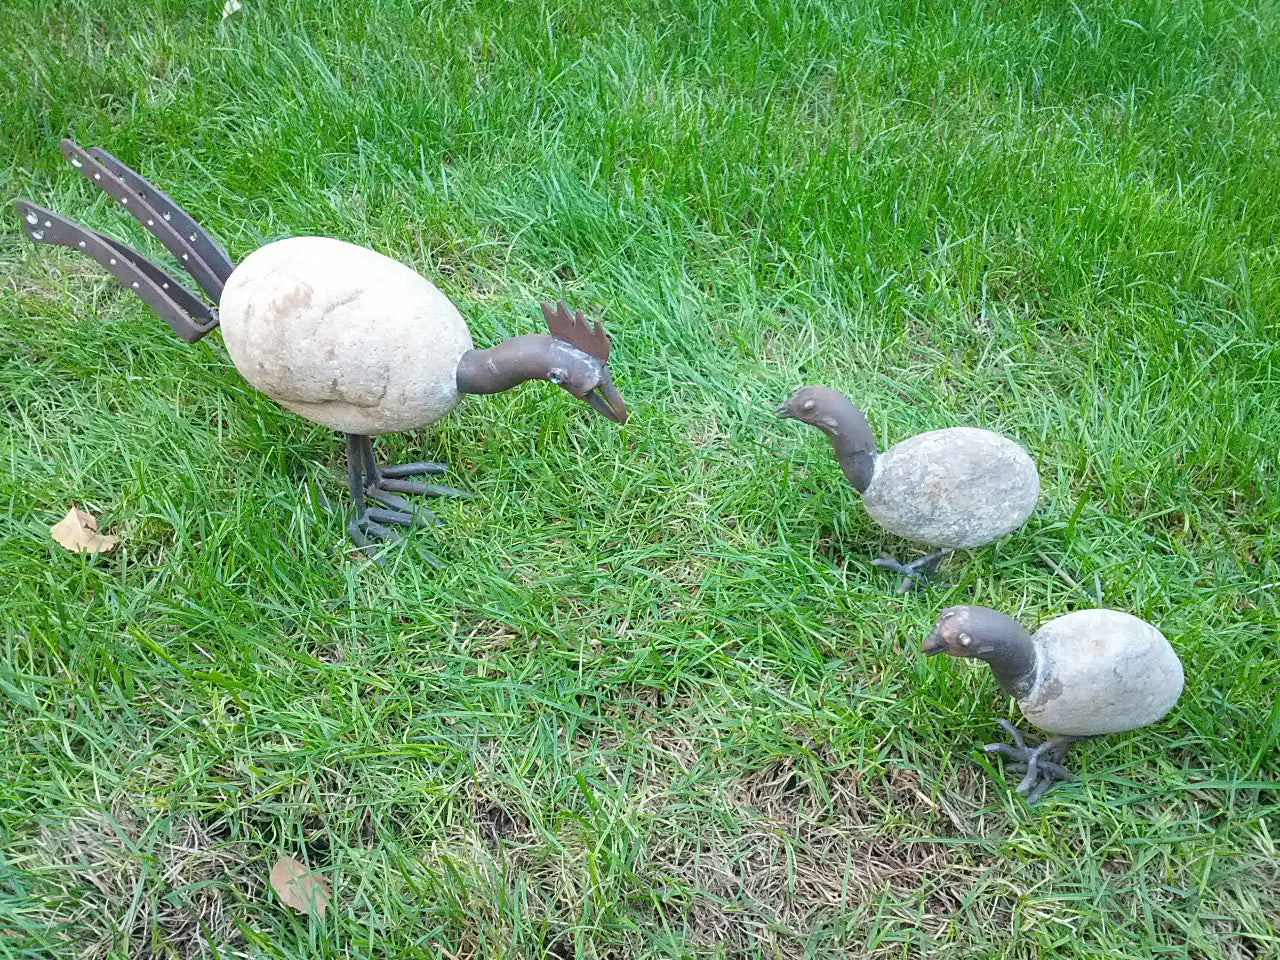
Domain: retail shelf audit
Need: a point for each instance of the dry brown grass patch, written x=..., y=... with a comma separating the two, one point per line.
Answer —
x=118, y=882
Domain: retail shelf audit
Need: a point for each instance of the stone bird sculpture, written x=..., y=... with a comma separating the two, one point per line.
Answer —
x=951, y=489
x=1081, y=676
x=337, y=333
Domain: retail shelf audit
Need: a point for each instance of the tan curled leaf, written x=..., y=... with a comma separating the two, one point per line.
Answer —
x=78, y=532
x=300, y=889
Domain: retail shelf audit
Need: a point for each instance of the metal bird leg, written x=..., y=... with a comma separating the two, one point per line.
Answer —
x=368, y=481
x=1042, y=764
x=915, y=574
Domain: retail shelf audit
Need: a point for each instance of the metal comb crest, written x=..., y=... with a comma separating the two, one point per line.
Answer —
x=573, y=328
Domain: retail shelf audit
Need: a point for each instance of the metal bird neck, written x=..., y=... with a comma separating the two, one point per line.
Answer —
x=533, y=356
x=850, y=434
x=1007, y=649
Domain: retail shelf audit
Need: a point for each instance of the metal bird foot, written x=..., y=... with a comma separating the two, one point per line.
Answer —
x=1042, y=764
x=384, y=486
x=917, y=573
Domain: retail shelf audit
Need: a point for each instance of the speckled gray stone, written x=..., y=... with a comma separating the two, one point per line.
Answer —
x=343, y=336
x=1101, y=671
x=955, y=488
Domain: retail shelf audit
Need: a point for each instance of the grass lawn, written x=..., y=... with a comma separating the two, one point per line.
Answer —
x=657, y=703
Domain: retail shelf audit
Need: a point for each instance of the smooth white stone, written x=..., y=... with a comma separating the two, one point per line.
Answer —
x=343, y=336
x=1101, y=671
x=955, y=488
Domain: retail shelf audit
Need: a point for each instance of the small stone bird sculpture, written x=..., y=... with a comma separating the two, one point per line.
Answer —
x=337, y=333
x=951, y=489
x=1080, y=676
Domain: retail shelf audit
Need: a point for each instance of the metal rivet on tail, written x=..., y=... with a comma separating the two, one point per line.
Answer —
x=37, y=234
x=76, y=162
x=32, y=219
x=113, y=261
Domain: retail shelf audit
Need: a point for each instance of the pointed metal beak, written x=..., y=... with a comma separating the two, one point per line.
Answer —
x=933, y=644
x=783, y=411
x=607, y=401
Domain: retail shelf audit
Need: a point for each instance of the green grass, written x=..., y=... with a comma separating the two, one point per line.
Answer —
x=657, y=703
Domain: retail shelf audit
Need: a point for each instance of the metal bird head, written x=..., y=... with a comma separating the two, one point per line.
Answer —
x=591, y=383
x=970, y=631
x=818, y=406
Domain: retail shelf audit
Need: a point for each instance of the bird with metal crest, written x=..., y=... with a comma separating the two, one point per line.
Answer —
x=334, y=332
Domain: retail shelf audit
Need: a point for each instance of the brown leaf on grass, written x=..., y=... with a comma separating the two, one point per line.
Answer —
x=78, y=532
x=300, y=889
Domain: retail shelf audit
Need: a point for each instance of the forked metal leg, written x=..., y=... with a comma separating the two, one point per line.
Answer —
x=1042, y=764
x=915, y=574
x=369, y=482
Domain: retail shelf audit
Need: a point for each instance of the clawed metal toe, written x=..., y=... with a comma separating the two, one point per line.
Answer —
x=384, y=486
x=1041, y=764
x=916, y=574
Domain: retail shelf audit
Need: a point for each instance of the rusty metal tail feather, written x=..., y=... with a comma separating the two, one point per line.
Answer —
x=204, y=260
x=188, y=315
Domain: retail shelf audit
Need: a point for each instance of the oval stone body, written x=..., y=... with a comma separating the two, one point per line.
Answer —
x=955, y=488
x=1101, y=671
x=343, y=336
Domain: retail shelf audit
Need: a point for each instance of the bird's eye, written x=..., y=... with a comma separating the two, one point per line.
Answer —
x=807, y=405
x=965, y=639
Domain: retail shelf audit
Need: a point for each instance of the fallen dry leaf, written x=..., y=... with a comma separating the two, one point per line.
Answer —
x=78, y=532
x=298, y=888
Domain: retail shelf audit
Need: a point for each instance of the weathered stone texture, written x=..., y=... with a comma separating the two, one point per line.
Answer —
x=955, y=488
x=1101, y=671
x=343, y=336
